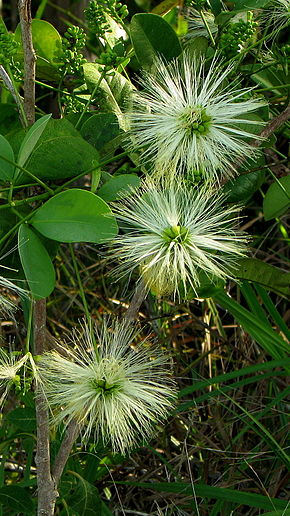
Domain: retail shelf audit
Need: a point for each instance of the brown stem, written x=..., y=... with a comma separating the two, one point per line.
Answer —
x=64, y=451
x=46, y=489
x=270, y=128
x=47, y=493
x=24, y=8
x=137, y=300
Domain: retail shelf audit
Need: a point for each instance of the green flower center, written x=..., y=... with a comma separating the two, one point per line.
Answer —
x=195, y=120
x=105, y=388
x=176, y=234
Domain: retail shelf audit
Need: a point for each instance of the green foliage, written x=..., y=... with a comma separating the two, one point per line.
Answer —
x=100, y=130
x=16, y=499
x=62, y=153
x=228, y=340
x=118, y=187
x=277, y=199
x=23, y=419
x=262, y=273
x=48, y=47
x=75, y=216
x=115, y=91
x=6, y=168
x=36, y=262
x=145, y=32
x=242, y=498
x=243, y=187
x=31, y=138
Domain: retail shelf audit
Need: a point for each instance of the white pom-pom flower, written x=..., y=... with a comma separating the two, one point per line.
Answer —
x=173, y=233
x=189, y=119
x=115, y=393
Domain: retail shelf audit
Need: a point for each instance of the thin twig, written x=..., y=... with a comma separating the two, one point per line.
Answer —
x=64, y=450
x=137, y=300
x=47, y=493
x=270, y=128
x=46, y=488
x=24, y=8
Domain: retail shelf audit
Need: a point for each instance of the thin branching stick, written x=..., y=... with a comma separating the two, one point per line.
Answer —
x=270, y=128
x=46, y=488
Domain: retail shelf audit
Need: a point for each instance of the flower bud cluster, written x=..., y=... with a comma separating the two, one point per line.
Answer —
x=8, y=53
x=97, y=15
x=73, y=42
x=236, y=37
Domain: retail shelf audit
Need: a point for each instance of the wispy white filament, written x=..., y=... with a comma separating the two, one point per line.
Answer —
x=173, y=233
x=190, y=119
x=6, y=305
x=276, y=15
x=9, y=367
x=115, y=394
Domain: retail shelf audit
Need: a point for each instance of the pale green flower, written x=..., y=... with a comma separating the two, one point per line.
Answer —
x=6, y=305
x=187, y=119
x=9, y=368
x=116, y=393
x=172, y=233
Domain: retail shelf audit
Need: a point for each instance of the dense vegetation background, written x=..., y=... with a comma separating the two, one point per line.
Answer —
x=223, y=449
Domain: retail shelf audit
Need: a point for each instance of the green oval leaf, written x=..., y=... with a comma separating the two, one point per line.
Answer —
x=151, y=36
x=6, y=169
x=118, y=187
x=36, y=262
x=244, y=186
x=31, y=139
x=100, y=129
x=62, y=157
x=75, y=216
x=46, y=40
x=115, y=91
x=277, y=199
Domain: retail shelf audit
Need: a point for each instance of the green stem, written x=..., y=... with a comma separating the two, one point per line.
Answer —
x=81, y=288
x=11, y=231
x=90, y=98
x=39, y=181
x=24, y=201
x=60, y=188
x=207, y=27
x=29, y=327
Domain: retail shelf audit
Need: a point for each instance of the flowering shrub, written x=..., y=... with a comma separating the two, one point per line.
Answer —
x=143, y=175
